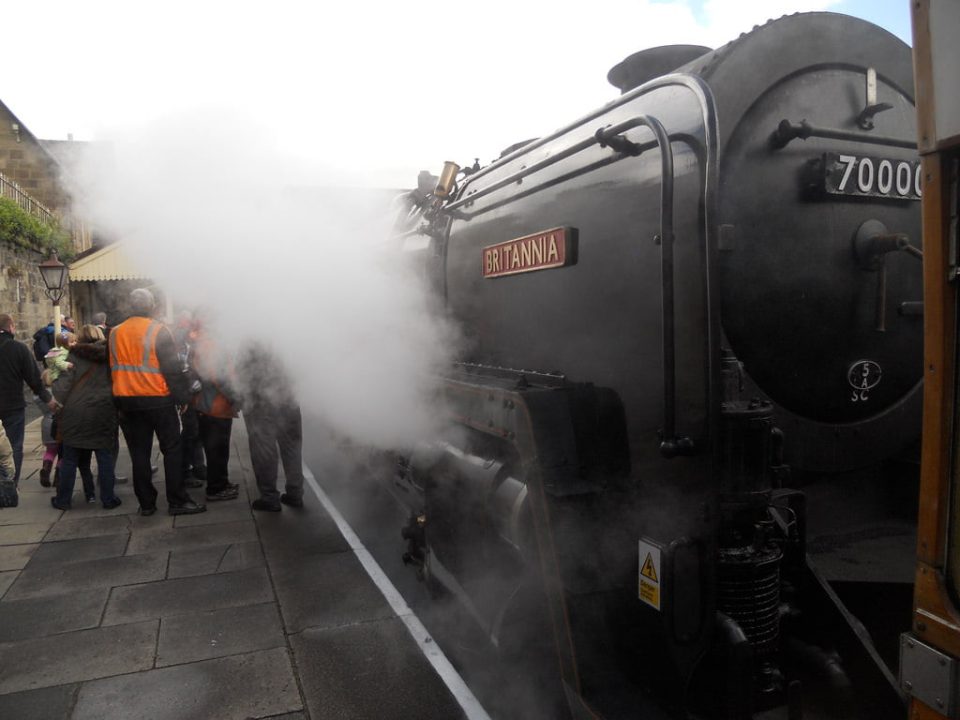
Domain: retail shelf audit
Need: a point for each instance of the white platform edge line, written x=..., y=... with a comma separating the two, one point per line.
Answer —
x=451, y=678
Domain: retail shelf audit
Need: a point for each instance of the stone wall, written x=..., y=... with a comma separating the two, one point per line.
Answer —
x=22, y=292
x=24, y=160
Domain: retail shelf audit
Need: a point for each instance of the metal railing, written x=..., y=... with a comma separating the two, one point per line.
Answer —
x=10, y=189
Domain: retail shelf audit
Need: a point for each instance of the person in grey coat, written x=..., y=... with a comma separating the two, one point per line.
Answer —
x=274, y=427
x=88, y=421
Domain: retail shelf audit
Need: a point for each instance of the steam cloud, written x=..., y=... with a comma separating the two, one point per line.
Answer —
x=215, y=216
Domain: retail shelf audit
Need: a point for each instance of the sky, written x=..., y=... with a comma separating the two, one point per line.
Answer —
x=353, y=93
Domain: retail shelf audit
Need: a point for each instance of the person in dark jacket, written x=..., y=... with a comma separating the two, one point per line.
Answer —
x=88, y=420
x=185, y=334
x=217, y=404
x=17, y=367
x=148, y=387
x=43, y=341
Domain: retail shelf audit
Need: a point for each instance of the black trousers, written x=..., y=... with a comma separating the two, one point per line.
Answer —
x=138, y=428
x=215, y=437
x=276, y=433
x=190, y=439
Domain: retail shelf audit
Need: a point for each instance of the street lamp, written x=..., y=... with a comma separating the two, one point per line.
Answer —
x=54, y=273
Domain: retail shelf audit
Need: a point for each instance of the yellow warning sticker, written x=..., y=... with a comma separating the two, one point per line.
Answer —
x=648, y=570
x=649, y=575
x=650, y=594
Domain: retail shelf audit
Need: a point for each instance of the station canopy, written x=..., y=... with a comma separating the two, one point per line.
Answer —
x=109, y=263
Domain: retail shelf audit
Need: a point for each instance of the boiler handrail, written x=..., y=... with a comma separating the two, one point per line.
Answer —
x=670, y=444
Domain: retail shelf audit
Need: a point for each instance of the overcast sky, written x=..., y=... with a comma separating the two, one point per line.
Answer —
x=358, y=92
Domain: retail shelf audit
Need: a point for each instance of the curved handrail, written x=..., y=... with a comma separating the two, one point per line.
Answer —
x=670, y=444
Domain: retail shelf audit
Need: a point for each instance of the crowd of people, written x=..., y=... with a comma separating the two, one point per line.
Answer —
x=144, y=379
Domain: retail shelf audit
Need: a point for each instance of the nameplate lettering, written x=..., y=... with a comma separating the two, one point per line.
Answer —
x=542, y=251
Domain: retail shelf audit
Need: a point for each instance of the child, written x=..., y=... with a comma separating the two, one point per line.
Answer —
x=56, y=362
x=56, y=359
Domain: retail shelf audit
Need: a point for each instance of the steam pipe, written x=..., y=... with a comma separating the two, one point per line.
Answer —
x=521, y=174
x=912, y=250
x=670, y=444
x=787, y=132
x=827, y=665
x=625, y=148
x=738, y=674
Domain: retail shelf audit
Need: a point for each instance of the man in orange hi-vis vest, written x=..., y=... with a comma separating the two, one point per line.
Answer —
x=148, y=388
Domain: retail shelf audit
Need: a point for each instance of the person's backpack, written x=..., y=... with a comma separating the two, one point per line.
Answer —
x=41, y=344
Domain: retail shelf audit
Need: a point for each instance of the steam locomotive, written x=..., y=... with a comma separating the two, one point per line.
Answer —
x=679, y=444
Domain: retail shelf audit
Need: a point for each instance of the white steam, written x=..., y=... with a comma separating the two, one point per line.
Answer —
x=208, y=210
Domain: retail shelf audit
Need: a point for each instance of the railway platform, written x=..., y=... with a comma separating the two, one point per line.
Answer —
x=228, y=614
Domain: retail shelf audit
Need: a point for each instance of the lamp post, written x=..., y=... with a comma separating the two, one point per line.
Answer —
x=54, y=273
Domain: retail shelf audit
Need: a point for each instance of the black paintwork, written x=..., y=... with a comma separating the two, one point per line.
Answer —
x=763, y=264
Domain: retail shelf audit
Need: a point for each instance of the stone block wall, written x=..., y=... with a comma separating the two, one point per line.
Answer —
x=22, y=292
x=24, y=160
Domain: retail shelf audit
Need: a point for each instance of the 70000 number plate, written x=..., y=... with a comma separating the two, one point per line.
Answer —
x=871, y=176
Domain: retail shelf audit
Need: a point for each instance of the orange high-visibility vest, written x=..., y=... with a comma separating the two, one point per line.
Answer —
x=211, y=400
x=134, y=365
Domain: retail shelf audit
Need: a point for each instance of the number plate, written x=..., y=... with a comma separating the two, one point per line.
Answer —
x=871, y=176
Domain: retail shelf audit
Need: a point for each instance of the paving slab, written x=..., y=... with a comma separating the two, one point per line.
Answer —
x=6, y=580
x=72, y=551
x=16, y=557
x=294, y=533
x=210, y=560
x=188, y=595
x=128, y=507
x=327, y=591
x=202, y=561
x=217, y=512
x=71, y=527
x=192, y=537
x=152, y=523
x=370, y=670
x=230, y=631
x=24, y=533
x=49, y=615
x=254, y=685
x=32, y=508
x=77, y=656
x=103, y=573
x=242, y=556
x=49, y=703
